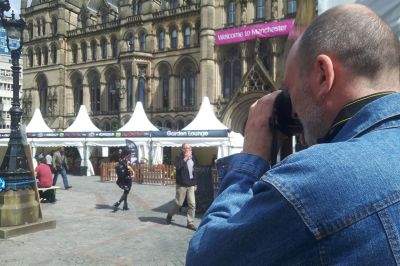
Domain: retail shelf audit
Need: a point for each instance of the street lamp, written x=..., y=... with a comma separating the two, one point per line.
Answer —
x=18, y=202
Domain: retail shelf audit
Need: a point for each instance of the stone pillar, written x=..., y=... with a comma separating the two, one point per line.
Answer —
x=172, y=92
x=207, y=50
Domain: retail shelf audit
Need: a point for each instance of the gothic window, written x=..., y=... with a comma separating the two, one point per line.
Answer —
x=39, y=57
x=180, y=125
x=134, y=8
x=74, y=50
x=129, y=92
x=232, y=77
x=139, y=7
x=113, y=93
x=84, y=21
x=161, y=40
x=187, y=87
x=54, y=26
x=226, y=90
x=84, y=51
x=45, y=56
x=30, y=31
x=30, y=57
x=54, y=53
x=104, y=18
x=38, y=27
x=174, y=4
x=103, y=45
x=291, y=7
x=260, y=9
x=142, y=39
x=141, y=90
x=168, y=125
x=42, y=86
x=78, y=93
x=174, y=39
x=114, y=47
x=198, y=33
x=93, y=45
x=231, y=12
x=94, y=87
x=165, y=92
x=43, y=26
x=131, y=42
x=186, y=39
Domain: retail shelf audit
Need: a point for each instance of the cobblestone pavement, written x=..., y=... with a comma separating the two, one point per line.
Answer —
x=88, y=232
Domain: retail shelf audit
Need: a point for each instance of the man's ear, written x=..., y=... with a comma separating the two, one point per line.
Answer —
x=323, y=75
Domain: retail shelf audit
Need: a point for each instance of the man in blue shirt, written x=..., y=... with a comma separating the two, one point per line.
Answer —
x=338, y=201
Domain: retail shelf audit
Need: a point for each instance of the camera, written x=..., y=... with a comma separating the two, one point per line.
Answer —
x=282, y=118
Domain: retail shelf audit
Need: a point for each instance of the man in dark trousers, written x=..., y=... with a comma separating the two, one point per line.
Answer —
x=185, y=185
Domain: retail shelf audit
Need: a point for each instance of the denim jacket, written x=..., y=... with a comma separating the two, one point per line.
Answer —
x=331, y=204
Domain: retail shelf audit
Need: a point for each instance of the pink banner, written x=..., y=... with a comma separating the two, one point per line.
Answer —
x=251, y=32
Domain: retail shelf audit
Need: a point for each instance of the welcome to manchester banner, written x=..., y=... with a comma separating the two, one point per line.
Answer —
x=251, y=32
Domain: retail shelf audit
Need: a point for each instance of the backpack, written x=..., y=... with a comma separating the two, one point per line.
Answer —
x=121, y=171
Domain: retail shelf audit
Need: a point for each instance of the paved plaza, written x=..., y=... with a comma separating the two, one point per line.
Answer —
x=88, y=232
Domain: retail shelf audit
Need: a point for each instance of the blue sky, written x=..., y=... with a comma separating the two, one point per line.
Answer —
x=16, y=6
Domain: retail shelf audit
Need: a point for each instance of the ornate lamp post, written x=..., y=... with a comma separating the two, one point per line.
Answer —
x=18, y=202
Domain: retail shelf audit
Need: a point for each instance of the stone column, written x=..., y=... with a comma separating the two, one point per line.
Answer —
x=207, y=50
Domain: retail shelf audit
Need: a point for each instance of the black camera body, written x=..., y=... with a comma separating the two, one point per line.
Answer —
x=282, y=118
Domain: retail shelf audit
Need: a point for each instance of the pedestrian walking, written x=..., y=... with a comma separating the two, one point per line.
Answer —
x=124, y=178
x=60, y=167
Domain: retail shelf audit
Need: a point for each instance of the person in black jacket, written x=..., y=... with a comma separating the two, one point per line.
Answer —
x=124, y=181
x=185, y=185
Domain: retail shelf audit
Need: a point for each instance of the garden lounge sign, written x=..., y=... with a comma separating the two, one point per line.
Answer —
x=251, y=32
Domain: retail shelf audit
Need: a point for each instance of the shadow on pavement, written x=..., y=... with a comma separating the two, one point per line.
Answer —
x=158, y=220
x=104, y=207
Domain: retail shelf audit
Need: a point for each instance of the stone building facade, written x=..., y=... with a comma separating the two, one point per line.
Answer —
x=109, y=54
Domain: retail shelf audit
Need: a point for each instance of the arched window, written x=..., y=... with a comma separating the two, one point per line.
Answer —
x=113, y=86
x=38, y=27
x=291, y=7
x=231, y=12
x=84, y=51
x=174, y=39
x=54, y=26
x=30, y=31
x=142, y=39
x=30, y=57
x=45, y=56
x=54, y=53
x=131, y=42
x=260, y=9
x=38, y=57
x=93, y=46
x=179, y=125
x=198, y=33
x=106, y=126
x=78, y=93
x=42, y=86
x=129, y=92
x=226, y=90
x=187, y=87
x=161, y=40
x=94, y=87
x=114, y=47
x=43, y=27
x=74, y=50
x=165, y=92
x=174, y=4
x=140, y=7
x=141, y=90
x=134, y=8
x=103, y=45
x=186, y=39
x=232, y=78
x=237, y=74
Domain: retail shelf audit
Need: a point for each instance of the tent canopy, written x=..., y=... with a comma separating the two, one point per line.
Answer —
x=37, y=123
x=138, y=121
x=82, y=122
x=205, y=118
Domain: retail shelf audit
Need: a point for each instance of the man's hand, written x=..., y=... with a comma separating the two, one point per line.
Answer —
x=258, y=135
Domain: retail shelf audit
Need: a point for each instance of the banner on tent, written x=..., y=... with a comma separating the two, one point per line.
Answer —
x=191, y=133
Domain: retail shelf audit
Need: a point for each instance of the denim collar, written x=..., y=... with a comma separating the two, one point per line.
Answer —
x=370, y=116
x=348, y=111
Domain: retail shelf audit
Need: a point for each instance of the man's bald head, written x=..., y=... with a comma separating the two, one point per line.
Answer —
x=361, y=40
